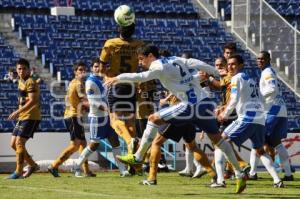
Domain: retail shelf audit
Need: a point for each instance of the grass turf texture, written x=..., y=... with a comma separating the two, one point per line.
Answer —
x=110, y=185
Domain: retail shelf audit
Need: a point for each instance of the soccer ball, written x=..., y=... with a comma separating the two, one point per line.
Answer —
x=124, y=16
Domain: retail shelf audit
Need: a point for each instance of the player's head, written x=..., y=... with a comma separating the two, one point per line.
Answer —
x=79, y=70
x=164, y=52
x=95, y=68
x=235, y=63
x=229, y=49
x=126, y=32
x=186, y=55
x=147, y=54
x=221, y=66
x=263, y=59
x=23, y=68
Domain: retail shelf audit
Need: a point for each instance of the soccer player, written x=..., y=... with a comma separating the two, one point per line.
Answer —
x=76, y=101
x=99, y=120
x=250, y=123
x=119, y=56
x=276, y=115
x=170, y=131
x=229, y=49
x=28, y=116
x=194, y=108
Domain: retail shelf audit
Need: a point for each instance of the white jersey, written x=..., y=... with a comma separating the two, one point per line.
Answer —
x=96, y=95
x=177, y=75
x=270, y=91
x=245, y=98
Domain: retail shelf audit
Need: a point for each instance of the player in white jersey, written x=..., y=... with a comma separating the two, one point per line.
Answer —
x=276, y=115
x=250, y=123
x=99, y=120
x=194, y=108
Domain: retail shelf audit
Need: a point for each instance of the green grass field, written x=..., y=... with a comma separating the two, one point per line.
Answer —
x=110, y=185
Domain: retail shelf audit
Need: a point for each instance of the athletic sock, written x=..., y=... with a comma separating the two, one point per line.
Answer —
x=188, y=160
x=268, y=163
x=20, y=151
x=85, y=164
x=219, y=164
x=230, y=156
x=284, y=158
x=201, y=157
x=122, y=130
x=87, y=151
x=64, y=155
x=148, y=136
x=29, y=159
x=154, y=159
x=117, y=151
x=253, y=162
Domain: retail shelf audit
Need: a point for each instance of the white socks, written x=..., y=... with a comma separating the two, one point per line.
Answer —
x=188, y=160
x=268, y=163
x=284, y=158
x=148, y=136
x=84, y=155
x=230, y=156
x=219, y=164
x=253, y=162
x=117, y=151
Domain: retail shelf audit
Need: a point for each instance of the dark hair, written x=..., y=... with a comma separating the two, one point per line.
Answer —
x=96, y=61
x=187, y=55
x=147, y=49
x=239, y=58
x=11, y=70
x=223, y=60
x=127, y=31
x=79, y=63
x=231, y=46
x=164, y=53
x=266, y=55
x=23, y=62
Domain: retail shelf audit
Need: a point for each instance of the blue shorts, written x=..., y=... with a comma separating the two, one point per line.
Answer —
x=26, y=128
x=239, y=132
x=276, y=129
x=201, y=115
x=100, y=129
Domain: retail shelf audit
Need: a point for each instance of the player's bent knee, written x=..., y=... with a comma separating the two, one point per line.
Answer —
x=260, y=151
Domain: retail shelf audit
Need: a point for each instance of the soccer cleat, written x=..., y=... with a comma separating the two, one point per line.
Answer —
x=185, y=173
x=253, y=177
x=278, y=185
x=288, y=178
x=31, y=170
x=125, y=174
x=240, y=185
x=218, y=185
x=14, y=176
x=53, y=171
x=246, y=169
x=148, y=182
x=128, y=159
x=228, y=174
x=199, y=173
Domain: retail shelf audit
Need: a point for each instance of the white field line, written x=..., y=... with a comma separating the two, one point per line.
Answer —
x=64, y=191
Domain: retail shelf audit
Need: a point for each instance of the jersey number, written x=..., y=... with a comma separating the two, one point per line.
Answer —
x=125, y=67
x=254, y=92
x=182, y=73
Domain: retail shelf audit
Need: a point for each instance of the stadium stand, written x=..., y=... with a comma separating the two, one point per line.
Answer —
x=61, y=41
x=290, y=9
